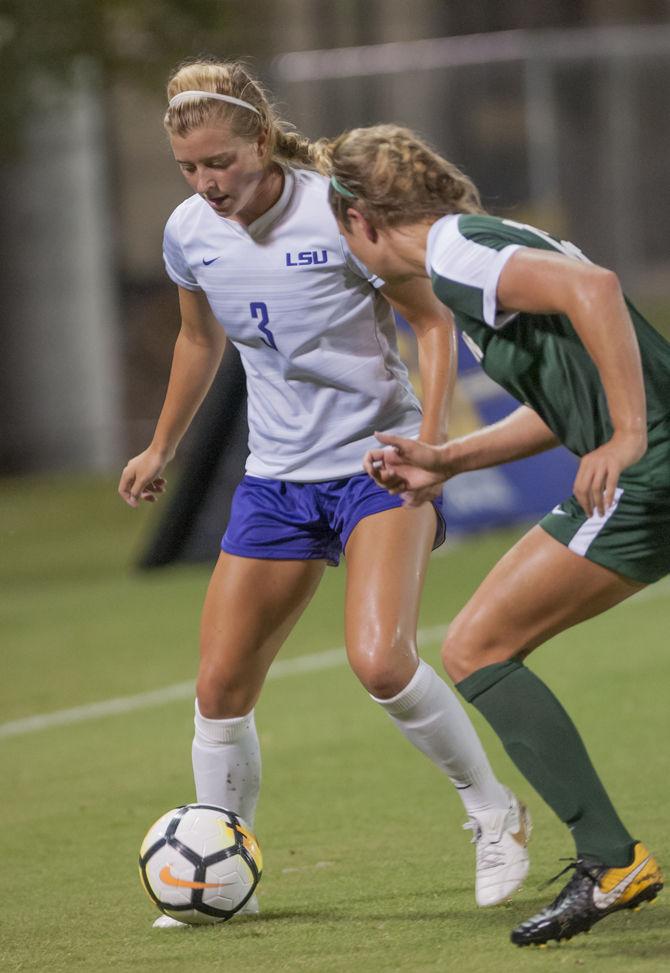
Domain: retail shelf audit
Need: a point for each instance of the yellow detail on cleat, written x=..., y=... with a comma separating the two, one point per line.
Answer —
x=617, y=886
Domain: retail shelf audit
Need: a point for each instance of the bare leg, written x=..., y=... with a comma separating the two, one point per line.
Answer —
x=250, y=608
x=387, y=558
x=538, y=589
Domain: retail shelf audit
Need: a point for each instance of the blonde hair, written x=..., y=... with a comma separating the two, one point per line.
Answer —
x=233, y=78
x=393, y=177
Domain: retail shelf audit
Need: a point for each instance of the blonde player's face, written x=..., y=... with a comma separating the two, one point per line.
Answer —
x=229, y=173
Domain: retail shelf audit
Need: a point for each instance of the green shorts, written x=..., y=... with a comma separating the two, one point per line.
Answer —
x=633, y=538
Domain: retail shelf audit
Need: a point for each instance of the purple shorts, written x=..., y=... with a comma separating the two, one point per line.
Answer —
x=279, y=519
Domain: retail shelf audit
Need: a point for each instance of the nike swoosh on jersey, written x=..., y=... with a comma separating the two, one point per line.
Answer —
x=603, y=900
x=557, y=510
x=208, y=262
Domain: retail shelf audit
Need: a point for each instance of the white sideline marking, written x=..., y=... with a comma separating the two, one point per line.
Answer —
x=329, y=659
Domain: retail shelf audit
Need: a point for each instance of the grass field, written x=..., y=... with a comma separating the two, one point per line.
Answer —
x=366, y=867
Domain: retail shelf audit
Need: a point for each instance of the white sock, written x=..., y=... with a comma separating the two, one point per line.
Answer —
x=428, y=713
x=227, y=763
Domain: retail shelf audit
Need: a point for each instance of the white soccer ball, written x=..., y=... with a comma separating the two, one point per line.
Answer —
x=200, y=863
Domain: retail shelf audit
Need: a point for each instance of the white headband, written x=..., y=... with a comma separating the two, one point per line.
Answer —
x=190, y=95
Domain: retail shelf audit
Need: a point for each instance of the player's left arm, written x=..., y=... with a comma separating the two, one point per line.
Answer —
x=591, y=297
x=433, y=325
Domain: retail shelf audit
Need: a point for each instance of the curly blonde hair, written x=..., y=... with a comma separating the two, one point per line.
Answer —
x=233, y=78
x=393, y=177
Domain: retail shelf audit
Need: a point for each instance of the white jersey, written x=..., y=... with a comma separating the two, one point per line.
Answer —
x=317, y=340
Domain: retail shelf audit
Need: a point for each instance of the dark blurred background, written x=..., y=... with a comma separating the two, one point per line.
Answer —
x=559, y=110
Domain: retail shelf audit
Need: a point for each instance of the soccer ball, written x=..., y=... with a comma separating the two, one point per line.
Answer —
x=200, y=863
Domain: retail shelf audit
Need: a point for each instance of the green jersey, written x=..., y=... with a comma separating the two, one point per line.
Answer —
x=537, y=358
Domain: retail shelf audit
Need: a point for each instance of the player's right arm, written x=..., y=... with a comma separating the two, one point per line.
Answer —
x=412, y=468
x=520, y=434
x=195, y=361
x=591, y=297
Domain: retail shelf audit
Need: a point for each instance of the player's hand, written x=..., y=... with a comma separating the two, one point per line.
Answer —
x=141, y=478
x=599, y=471
x=412, y=469
x=381, y=465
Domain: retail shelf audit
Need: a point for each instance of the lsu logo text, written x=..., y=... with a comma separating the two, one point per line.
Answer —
x=306, y=257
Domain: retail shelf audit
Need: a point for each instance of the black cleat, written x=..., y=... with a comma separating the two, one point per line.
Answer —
x=593, y=892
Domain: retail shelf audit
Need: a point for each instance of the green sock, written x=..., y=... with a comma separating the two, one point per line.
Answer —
x=544, y=744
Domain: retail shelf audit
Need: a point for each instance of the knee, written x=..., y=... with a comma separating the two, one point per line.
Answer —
x=222, y=696
x=384, y=668
x=466, y=649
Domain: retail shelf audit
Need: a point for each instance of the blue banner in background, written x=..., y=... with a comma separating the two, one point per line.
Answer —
x=503, y=495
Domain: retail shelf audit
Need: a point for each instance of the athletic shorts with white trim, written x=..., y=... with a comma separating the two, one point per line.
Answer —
x=280, y=519
x=633, y=537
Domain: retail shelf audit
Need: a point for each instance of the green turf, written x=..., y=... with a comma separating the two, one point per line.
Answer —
x=366, y=866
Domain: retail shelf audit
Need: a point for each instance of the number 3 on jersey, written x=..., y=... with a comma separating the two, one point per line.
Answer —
x=259, y=312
